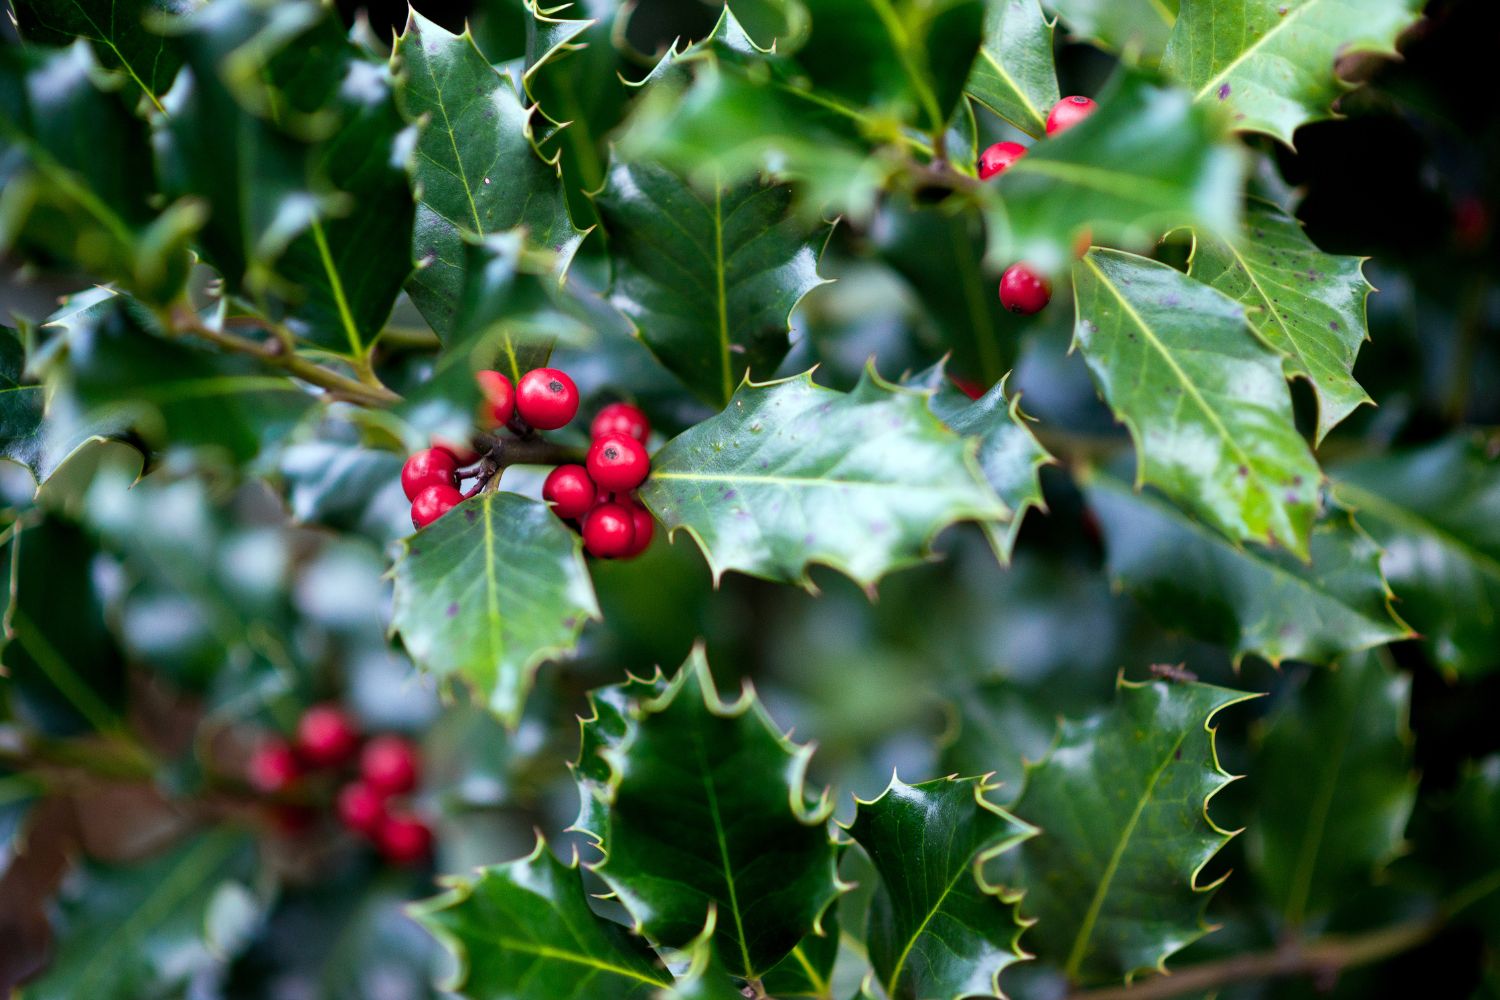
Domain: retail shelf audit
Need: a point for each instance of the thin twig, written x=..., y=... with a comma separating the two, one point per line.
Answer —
x=505, y=452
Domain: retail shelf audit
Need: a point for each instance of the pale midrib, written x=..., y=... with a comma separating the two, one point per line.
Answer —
x=336, y=284
x=462, y=172
x=1086, y=930
x=109, y=40
x=713, y=808
x=779, y=480
x=1129, y=186
x=573, y=958
x=897, y=31
x=1010, y=81
x=1317, y=823
x=1220, y=76
x=60, y=673
x=911, y=942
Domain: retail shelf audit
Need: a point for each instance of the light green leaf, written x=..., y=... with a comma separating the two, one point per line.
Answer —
x=1205, y=400
x=488, y=593
x=1113, y=878
x=791, y=474
x=1272, y=62
x=1249, y=599
x=1122, y=25
x=1307, y=304
x=938, y=927
x=117, y=32
x=709, y=277
x=1015, y=76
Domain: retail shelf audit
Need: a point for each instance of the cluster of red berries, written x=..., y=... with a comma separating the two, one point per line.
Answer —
x=368, y=804
x=1022, y=290
x=599, y=493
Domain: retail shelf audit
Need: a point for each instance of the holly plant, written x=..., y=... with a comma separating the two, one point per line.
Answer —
x=828, y=499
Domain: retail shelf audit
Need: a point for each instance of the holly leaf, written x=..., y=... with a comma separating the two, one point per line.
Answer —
x=1141, y=26
x=1272, y=63
x=476, y=168
x=808, y=970
x=1112, y=879
x=1145, y=162
x=1015, y=76
x=938, y=928
x=1436, y=512
x=524, y=930
x=996, y=727
x=708, y=277
x=489, y=592
x=1249, y=599
x=1334, y=786
x=742, y=837
x=116, y=31
x=151, y=929
x=1307, y=304
x=791, y=474
x=21, y=405
x=1204, y=399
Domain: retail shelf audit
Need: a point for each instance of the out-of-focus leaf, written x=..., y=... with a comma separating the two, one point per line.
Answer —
x=1112, y=879
x=21, y=405
x=1123, y=25
x=743, y=836
x=1205, y=400
x=938, y=927
x=998, y=727
x=1248, y=598
x=792, y=474
x=1014, y=75
x=488, y=593
x=708, y=277
x=117, y=32
x=1147, y=161
x=1272, y=62
x=1454, y=841
x=1436, y=512
x=1307, y=304
x=1333, y=784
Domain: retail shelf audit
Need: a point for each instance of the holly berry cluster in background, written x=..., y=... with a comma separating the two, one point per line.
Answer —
x=1023, y=290
x=600, y=494
x=376, y=774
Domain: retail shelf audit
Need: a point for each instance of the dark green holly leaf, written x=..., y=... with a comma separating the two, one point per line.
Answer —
x=488, y=593
x=708, y=277
x=1147, y=161
x=997, y=727
x=1307, y=304
x=1334, y=786
x=1247, y=598
x=1436, y=511
x=151, y=929
x=701, y=974
x=808, y=971
x=1454, y=840
x=914, y=56
x=117, y=31
x=938, y=928
x=791, y=474
x=1122, y=803
x=603, y=733
x=742, y=835
x=1121, y=25
x=21, y=405
x=1205, y=400
x=1272, y=62
x=524, y=931
x=1015, y=76
x=475, y=167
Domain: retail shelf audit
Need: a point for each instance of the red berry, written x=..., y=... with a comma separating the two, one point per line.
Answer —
x=1024, y=291
x=998, y=158
x=389, y=764
x=326, y=736
x=621, y=418
x=966, y=386
x=618, y=463
x=570, y=490
x=499, y=398
x=428, y=467
x=1069, y=112
x=645, y=528
x=547, y=398
x=432, y=503
x=361, y=808
x=273, y=766
x=404, y=839
x=609, y=530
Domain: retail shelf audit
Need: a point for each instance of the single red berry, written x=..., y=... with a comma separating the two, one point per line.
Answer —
x=547, y=398
x=404, y=839
x=1069, y=112
x=966, y=386
x=361, y=808
x=621, y=418
x=609, y=530
x=428, y=467
x=1024, y=291
x=462, y=454
x=998, y=158
x=273, y=766
x=432, y=503
x=570, y=490
x=645, y=529
x=499, y=398
x=618, y=463
x=389, y=764
x=326, y=736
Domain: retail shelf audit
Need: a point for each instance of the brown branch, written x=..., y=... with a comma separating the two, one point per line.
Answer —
x=505, y=452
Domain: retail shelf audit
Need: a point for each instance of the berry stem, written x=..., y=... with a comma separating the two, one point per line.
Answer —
x=505, y=452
